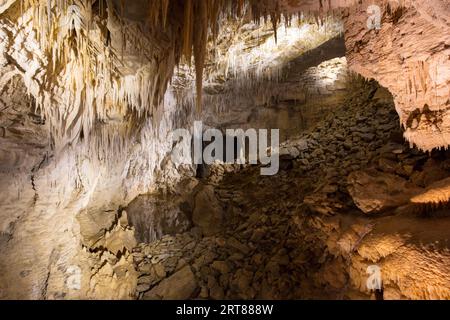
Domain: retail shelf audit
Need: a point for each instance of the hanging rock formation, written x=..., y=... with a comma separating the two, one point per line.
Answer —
x=91, y=90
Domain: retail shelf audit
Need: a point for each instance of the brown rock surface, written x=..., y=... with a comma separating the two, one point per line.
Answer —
x=180, y=286
x=208, y=213
x=409, y=56
x=154, y=216
x=413, y=255
x=374, y=191
x=73, y=152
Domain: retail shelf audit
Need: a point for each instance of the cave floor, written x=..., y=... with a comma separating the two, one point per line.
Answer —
x=274, y=237
x=254, y=253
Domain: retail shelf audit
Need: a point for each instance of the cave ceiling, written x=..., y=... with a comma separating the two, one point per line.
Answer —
x=136, y=45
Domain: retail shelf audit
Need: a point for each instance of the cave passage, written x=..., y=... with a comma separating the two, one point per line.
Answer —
x=236, y=235
x=345, y=104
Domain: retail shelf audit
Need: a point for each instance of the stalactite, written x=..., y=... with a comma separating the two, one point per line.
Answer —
x=67, y=32
x=200, y=46
x=188, y=29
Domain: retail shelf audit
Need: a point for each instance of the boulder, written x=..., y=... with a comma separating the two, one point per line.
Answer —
x=374, y=191
x=221, y=266
x=180, y=286
x=154, y=216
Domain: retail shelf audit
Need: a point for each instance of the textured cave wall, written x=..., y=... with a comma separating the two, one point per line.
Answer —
x=409, y=55
x=5, y=4
x=62, y=235
x=59, y=208
x=60, y=212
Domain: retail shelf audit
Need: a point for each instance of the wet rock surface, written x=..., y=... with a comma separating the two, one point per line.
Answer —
x=156, y=216
x=342, y=205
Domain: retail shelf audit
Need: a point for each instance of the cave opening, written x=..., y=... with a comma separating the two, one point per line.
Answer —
x=102, y=198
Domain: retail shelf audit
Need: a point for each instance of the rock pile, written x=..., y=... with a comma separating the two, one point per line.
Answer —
x=312, y=230
x=364, y=209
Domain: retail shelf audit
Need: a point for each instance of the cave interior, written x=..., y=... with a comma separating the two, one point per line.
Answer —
x=346, y=105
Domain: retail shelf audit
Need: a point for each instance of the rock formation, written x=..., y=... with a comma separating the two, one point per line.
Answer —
x=92, y=205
